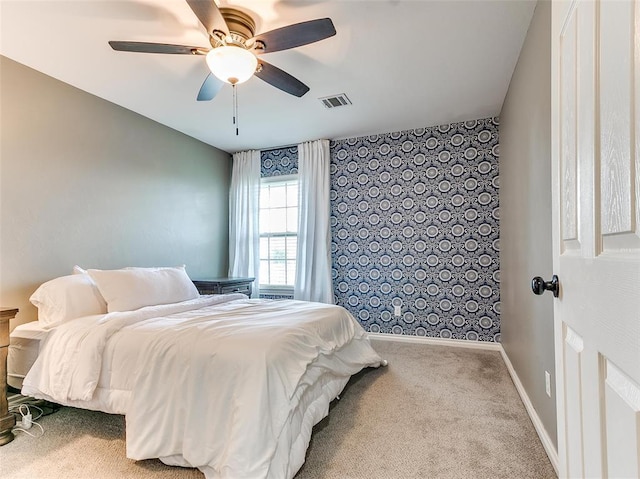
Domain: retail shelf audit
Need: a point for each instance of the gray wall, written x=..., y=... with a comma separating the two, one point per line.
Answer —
x=86, y=182
x=525, y=217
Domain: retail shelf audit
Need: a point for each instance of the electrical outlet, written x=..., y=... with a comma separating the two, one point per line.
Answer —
x=396, y=310
x=547, y=383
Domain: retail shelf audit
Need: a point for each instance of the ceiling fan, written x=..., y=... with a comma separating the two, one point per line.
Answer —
x=232, y=57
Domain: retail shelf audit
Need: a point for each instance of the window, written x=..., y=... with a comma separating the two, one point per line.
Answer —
x=278, y=230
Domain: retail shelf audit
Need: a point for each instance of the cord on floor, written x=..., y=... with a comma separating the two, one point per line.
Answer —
x=27, y=420
x=23, y=408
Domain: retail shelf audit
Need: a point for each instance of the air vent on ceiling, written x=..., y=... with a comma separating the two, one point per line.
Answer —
x=335, y=100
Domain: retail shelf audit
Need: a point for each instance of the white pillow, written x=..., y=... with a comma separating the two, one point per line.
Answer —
x=78, y=270
x=66, y=298
x=133, y=288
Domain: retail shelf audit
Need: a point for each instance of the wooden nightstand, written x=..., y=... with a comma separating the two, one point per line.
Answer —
x=224, y=285
x=7, y=420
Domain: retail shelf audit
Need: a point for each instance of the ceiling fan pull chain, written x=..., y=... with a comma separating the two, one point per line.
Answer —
x=235, y=108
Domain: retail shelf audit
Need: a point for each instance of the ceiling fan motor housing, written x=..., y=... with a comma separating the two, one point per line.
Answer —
x=241, y=26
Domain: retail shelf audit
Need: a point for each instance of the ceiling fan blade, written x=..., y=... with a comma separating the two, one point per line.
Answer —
x=209, y=15
x=146, y=47
x=209, y=88
x=296, y=35
x=281, y=79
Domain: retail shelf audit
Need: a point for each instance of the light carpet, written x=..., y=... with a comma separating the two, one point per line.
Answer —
x=434, y=412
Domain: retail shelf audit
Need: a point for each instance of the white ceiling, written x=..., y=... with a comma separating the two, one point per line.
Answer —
x=404, y=64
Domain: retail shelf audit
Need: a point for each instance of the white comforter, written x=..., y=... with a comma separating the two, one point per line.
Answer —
x=229, y=385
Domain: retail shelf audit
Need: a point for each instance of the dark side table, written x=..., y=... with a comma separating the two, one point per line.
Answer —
x=7, y=420
x=224, y=285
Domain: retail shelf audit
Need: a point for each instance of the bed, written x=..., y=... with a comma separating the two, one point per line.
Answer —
x=230, y=385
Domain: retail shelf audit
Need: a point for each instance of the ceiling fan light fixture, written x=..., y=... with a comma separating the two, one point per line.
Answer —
x=232, y=64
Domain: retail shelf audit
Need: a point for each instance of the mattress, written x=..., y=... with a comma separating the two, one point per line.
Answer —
x=24, y=344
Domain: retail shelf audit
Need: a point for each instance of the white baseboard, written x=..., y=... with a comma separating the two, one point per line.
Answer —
x=458, y=343
x=547, y=443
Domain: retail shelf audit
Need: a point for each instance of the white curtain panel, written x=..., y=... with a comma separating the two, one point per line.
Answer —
x=244, y=204
x=313, y=269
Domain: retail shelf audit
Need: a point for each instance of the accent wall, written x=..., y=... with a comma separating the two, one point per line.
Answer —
x=415, y=228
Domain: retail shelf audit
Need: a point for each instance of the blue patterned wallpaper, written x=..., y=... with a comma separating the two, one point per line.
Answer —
x=415, y=224
x=283, y=161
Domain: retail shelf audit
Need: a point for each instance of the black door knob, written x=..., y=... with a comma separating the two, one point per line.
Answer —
x=539, y=285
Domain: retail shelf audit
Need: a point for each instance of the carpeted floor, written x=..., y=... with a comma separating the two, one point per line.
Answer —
x=434, y=412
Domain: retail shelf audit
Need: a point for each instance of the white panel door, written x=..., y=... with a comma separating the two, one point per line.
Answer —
x=596, y=183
